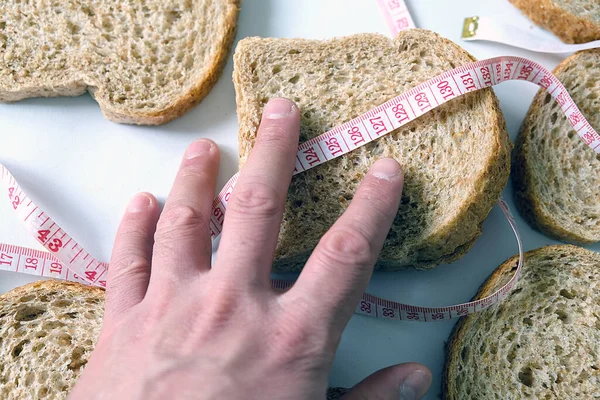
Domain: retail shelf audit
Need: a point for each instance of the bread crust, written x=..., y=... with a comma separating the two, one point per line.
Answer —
x=186, y=100
x=527, y=199
x=50, y=285
x=568, y=27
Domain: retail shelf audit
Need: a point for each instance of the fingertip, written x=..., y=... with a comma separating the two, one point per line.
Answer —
x=387, y=169
x=201, y=148
x=141, y=202
x=416, y=382
x=280, y=107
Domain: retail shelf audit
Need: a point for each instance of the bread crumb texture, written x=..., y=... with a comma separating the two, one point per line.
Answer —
x=556, y=174
x=542, y=342
x=48, y=330
x=145, y=62
x=455, y=158
x=573, y=21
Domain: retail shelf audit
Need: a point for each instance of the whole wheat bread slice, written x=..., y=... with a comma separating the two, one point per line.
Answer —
x=456, y=158
x=144, y=62
x=542, y=342
x=48, y=331
x=573, y=21
x=556, y=174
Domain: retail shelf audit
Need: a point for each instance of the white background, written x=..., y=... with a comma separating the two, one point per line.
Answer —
x=82, y=169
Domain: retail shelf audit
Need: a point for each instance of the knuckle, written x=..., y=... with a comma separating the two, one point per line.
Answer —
x=127, y=265
x=195, y=172
x=346, y=246
x=257, y=200
x=378, y=200
x=273, y=135
x=178, y=217
x=299, y=341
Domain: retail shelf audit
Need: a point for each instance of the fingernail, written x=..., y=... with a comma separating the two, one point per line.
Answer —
x=278, y=108
x=139, y=203
x=199, y=148
x=415, y=386
x=386, y=168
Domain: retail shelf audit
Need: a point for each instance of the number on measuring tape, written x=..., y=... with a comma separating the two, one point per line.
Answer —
x=55, y=245
x=437, y=316
x=356, y=136
x=6, y=260
x=445, y=90
x=525, y=72
x=546, y=81
x=400, y=113
x=219, y=214
x=91, y=275
x=486, y=76
x=468, y=82
x=31, y=263
x=311, y=157
x=422, y=101
x=413, y=316
x=378, y=125
x=508, y=70
x=334, y=147
x=366, y=308
x=56, y=268
x=43, y=235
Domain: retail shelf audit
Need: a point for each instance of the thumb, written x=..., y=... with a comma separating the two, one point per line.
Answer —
x=409, y=381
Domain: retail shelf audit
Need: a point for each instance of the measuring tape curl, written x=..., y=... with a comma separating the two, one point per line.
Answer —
x=485, y=28
x=66, y=259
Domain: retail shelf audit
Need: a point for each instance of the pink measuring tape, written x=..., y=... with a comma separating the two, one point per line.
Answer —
x=66, y=259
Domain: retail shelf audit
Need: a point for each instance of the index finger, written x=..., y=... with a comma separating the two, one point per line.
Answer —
x=254, y=213
x=339, y=269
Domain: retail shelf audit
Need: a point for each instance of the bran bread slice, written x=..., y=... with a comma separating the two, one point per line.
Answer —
x=455, y=158
x=541, y=342
x=556, y=174
x=573, y=21
x=144, y=62
x=48, y=330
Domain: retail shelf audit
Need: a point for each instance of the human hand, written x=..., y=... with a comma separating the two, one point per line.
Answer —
x=176, y=327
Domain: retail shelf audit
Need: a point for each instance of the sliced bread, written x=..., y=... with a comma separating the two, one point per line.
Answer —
x=456, y=158
x=573, y=21
x=556, y=174
x=144, y=62
x=542, y=342
x=48, y=330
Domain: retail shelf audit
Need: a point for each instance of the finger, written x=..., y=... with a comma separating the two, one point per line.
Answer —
x=339, y=268
x=129, y=269
x=405, y=382
x=183, y=246
x=255, y=210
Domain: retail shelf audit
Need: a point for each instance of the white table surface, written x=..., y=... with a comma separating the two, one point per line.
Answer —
x=82, y=169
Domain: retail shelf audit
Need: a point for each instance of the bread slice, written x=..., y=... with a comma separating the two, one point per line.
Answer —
x=144, y=62
x=456, y=158
x=573, y=21
x=556, y=174
x=542, y=342
x=48, y=330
